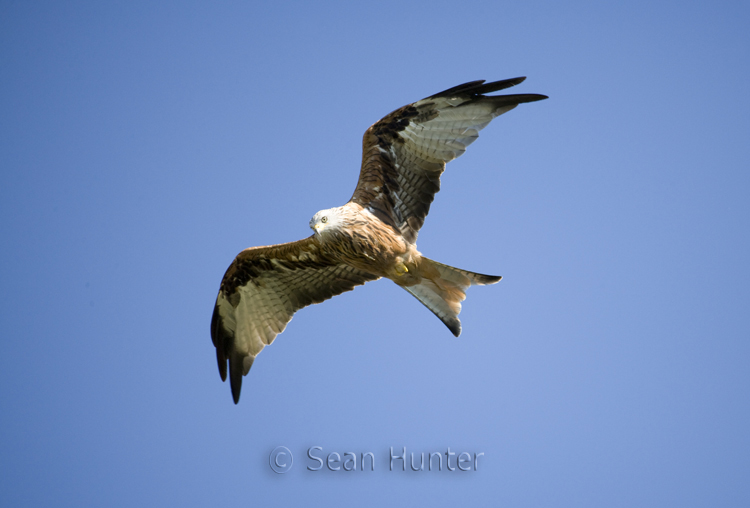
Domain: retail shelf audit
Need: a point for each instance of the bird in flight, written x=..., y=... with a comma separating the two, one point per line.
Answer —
x=372, y=236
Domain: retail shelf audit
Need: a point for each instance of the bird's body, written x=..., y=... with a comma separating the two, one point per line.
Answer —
x=358, y=238
x=372, y=236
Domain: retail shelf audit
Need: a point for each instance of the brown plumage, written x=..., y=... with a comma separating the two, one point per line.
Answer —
x=372, y=236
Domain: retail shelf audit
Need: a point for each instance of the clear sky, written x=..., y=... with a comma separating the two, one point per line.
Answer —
x=144, y=144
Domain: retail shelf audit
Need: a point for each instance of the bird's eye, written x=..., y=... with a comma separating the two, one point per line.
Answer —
x=324, y=220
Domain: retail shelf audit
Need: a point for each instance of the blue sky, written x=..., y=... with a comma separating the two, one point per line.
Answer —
x=143, y=146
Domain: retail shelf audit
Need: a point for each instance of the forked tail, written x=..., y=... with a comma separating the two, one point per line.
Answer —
x=442, y=289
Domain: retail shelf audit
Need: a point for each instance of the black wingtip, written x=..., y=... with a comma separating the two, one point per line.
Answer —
x=219, y=343
x=484, y=280
x=221, y=361
x=235, y=375
x=498, y=85
x=479, y=87
x=239, y=365
x=459, y=89
x=516, y=98
x=454, y=325
x=215, y=325
x=533, y=97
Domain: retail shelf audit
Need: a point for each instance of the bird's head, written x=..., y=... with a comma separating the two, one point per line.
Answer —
x=326, y=220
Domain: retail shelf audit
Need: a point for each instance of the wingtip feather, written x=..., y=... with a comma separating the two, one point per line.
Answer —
x=235, y=376
x=219, y=343
x=502, y=84
x=454, y=325
x=221, y=360
x=483, y=279
x=480, y=87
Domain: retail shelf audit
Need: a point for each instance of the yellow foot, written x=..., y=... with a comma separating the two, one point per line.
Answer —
x=401, y=269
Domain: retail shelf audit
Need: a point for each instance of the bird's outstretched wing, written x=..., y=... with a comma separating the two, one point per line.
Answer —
x=262, y=289
x=404, y=154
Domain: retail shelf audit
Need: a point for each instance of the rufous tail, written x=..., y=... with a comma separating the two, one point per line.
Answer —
x=442, y=289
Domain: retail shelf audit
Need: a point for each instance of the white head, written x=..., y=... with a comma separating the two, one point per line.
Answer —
x=326, y=220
